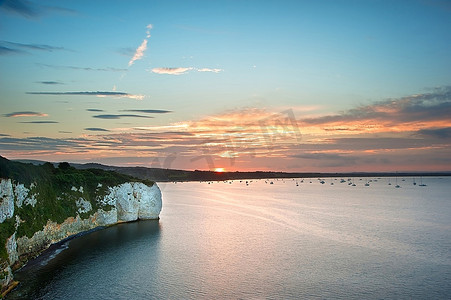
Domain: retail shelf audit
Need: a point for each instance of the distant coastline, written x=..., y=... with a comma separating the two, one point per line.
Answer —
x=171, y=175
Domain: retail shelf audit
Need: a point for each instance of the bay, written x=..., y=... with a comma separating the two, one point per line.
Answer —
x=286, y=240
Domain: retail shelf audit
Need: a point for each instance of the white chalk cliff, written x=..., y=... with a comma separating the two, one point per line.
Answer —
x=6, y=200
x=135, y=200
x=126, y=202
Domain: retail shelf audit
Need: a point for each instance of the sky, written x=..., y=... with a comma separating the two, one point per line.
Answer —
x=295, y=86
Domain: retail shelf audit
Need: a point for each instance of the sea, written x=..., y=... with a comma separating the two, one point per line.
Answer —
x=311, y=238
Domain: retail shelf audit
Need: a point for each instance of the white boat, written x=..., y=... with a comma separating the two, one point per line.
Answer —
x=397, y=185
x=421, y=182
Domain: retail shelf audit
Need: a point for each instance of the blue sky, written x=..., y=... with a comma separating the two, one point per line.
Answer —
x=208, y=74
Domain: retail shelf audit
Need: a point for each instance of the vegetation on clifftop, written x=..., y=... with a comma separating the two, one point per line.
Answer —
x=56, y=190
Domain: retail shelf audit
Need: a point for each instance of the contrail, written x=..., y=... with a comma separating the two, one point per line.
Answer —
x=139, y=53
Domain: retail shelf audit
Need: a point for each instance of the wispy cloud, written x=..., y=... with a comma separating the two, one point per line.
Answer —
x=171, y=71
x=94, y=110
x=442, y=133
x=40, y=144
x=107, y=69
x=29, y=9
x=98, y=94
x=40, y=122
x=59, y=9
x=183, y=70
x=50, y=82
x=39, y=47
x=139, y=53
x=96, y=129
x=136, y=97
x=394, y=115
x=22, y=7
x=209, y=70
x=121, y=116
x=148, y=111
x=7, y=50
x=25, y=114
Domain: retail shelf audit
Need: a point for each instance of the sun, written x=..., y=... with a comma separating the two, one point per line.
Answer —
x=219, y=170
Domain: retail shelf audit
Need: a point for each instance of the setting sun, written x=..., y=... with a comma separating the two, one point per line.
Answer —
x=219, y=170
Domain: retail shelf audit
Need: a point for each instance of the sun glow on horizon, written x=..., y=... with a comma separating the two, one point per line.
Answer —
x=219, y=170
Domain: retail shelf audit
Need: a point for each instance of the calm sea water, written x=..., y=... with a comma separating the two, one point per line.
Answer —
x=263, y=241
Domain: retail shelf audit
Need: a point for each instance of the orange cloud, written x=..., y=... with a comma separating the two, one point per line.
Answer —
x=171, y=71
x=398, y=134
x=407, y=114
x=25, y=114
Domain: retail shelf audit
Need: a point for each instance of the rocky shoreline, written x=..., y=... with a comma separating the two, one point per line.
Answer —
x=127, y=202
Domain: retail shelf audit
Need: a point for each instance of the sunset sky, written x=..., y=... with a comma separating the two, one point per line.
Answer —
x=242, y=85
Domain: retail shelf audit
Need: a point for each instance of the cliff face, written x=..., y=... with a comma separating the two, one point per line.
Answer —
x=35, y=215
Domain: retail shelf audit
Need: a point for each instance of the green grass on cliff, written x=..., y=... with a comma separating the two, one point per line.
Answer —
x=6, y=230
x=52, y=187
